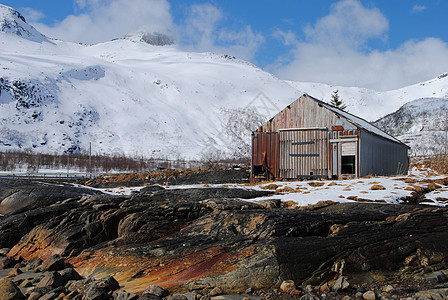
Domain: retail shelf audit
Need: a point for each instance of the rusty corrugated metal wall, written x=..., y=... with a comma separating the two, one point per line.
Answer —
x=265, y=155
x=304, y=153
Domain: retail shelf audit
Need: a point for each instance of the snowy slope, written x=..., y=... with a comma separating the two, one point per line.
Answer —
x=142, y=96
x=422, y=124
x=127, y=96
x=12, y=22
x=372, y=105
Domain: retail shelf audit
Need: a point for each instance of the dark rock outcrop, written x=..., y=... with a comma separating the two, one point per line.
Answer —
x=203, y=239
x=24, y=195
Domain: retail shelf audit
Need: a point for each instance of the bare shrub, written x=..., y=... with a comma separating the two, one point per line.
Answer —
x=436, y=162
x=29, y=161
x=377, y=187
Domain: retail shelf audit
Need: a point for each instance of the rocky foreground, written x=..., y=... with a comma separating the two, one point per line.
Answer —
x=194, y=243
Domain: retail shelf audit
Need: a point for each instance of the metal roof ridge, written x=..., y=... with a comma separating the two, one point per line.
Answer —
x=341, y=113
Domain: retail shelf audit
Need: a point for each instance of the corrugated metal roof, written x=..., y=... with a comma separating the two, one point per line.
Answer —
x=357, y=121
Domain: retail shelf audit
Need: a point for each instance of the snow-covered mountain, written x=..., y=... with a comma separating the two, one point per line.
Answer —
x=373, y=105
x=12, y=22
x=142, y=95
x=422, y=124
x=128, y=96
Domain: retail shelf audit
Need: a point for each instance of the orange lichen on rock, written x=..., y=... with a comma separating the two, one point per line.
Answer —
x=37, y=244
x=135, y=273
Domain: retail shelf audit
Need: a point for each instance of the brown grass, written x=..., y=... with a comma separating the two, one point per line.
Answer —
x=323, y=202
x=285, y=189
x=271, y=186
x=432, y=186
x=377, y=187
x=418, y=189
x=316, y=183
x=289, y=204
x=157, y=175
x=410, y=180
x=442, y=181
x=438, y=163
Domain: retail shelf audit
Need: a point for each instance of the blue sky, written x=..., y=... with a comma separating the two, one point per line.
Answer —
x=374, y=44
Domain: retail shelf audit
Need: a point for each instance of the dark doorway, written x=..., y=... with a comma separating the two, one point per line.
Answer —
x=348, y=164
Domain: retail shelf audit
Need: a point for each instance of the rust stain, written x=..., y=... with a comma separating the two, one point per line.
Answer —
x=265, y=154
x=135, y=273
x=38, y=244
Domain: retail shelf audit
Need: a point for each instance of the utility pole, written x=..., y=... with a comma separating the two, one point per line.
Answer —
x=90, y=160
x=446, y=132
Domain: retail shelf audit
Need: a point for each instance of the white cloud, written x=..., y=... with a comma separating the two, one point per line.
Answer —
x=32, y=15
x=204, y=29
x=82, y=4
x=243, y=44
x=335, y=52
x=288, y=38
x=349, y=23
x=204, y=32
x=102, y=20
x=201, y=25
x=418, y=8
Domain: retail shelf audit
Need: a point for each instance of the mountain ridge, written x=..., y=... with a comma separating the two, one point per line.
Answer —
x=132, y=97
x=421, y=123
x=13, y=22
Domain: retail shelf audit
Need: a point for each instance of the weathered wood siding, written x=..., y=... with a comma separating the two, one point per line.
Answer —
x=303, y=113
x=304, y=153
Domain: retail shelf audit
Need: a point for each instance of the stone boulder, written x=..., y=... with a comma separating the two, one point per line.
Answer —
x=7, y=262
x=53, y=279
x=21, y=195
x=53, y=263
x=156, y=291
x=9, y=291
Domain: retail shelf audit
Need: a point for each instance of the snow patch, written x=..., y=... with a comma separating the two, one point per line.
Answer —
x=88, y=73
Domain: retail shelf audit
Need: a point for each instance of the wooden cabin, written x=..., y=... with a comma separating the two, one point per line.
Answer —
x=313, y=139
